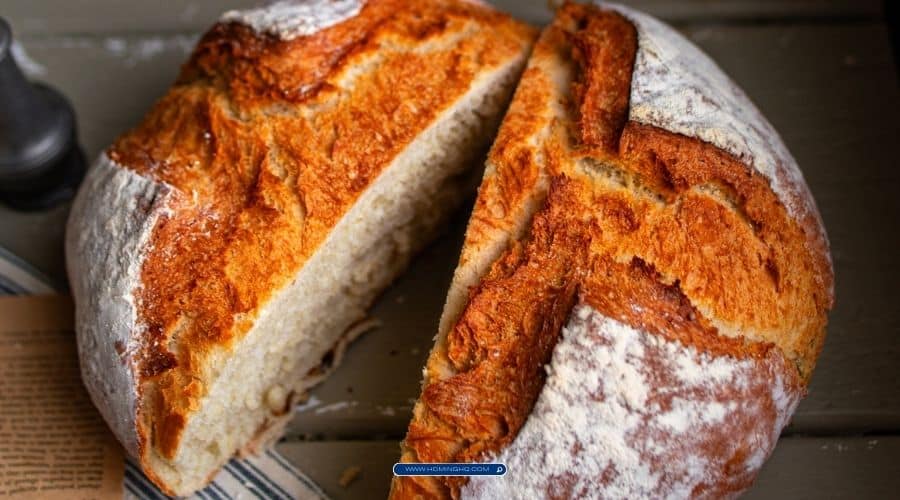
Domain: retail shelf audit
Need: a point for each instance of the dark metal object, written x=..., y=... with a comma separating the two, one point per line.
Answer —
x=41, y=163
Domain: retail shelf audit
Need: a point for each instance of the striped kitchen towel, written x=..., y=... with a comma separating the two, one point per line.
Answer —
x=267, y=476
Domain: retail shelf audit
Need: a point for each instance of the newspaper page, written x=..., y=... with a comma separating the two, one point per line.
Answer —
x=53, y=442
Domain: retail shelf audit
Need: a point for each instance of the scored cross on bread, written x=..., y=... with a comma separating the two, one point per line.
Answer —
x=644, y=284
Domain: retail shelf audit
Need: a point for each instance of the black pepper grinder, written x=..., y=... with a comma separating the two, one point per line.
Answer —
x=41, y=163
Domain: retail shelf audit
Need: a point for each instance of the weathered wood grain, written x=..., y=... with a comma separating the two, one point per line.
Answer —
x=801, y=468
x=45, y=17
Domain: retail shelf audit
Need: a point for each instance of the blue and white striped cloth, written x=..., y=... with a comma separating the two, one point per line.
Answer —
x=264, y=477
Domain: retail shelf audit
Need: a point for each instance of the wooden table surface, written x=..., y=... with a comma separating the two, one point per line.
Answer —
x=821, y=71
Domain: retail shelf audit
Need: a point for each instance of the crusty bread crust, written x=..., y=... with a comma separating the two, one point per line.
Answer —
x=260, y=148
x=109, y=225
x=626, y=413
x=633, y=176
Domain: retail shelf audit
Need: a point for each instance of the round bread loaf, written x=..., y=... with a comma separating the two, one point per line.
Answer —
x=644, y=286
x=223, y=252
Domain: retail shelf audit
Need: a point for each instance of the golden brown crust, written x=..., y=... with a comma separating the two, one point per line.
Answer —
x=500, y=345
x=732, y=245
x=663, y=232
x=603, y=48
x=268, y=143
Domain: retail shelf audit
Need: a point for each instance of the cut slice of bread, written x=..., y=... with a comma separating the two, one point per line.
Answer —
x=223, y=252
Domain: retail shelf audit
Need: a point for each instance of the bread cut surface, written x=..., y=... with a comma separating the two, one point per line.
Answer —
x=636, y=200
x=224, y=251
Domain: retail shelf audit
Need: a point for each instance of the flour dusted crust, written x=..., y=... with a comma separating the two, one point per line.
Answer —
x=678, y=88
x=110, y=224
x=193, y=221
x=289, y=19
x=630, y=176
x=627, y=414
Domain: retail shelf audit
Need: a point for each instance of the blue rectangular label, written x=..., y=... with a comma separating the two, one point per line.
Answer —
x=449, y=469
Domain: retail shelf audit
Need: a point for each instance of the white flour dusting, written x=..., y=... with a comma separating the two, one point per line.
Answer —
x=289, y=19
x=307, y=405
x=135, y=51
x=677, y=87
x=340, y=405
x=628, y=414
x=115, y=45
x=128, y=205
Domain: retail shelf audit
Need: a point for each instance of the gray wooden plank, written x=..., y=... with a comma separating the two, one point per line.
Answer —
x=722, y=11
x=800, y=468
x=830, y=89
x=325, y=461
x=816, y=468
x=46, y=17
